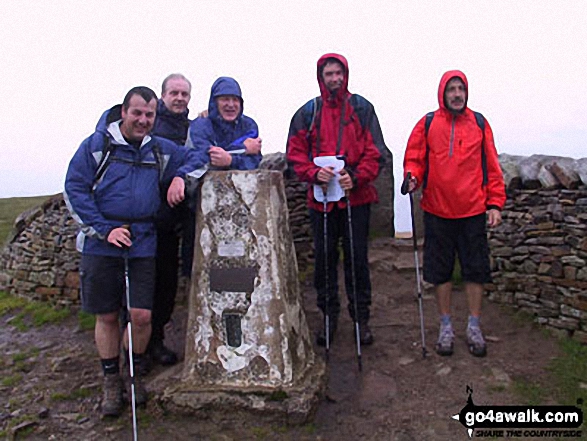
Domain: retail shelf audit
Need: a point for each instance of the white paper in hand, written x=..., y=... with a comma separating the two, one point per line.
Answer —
x=334, y=192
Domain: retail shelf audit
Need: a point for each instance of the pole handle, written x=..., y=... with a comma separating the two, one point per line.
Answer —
x=406, y=183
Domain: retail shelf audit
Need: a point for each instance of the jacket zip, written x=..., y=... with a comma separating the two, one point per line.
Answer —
x=452, y=137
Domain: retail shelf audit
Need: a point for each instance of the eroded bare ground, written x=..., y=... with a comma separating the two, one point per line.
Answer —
x=51, y=378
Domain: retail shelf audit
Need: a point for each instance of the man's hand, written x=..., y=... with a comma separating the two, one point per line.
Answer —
x=120, y=237
x=345, y=180
x=413, y=184
x=203, y=114
x=176, y=192
x=219, y=157
x=493, y=217
x=252, y=146
x=325, y=175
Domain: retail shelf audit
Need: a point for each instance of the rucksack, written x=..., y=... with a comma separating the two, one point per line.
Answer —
x=108, y=150
x=313, y=107
x=480, y=119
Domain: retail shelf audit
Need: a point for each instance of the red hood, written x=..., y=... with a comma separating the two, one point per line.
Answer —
x=445, y=79
x=341, y=93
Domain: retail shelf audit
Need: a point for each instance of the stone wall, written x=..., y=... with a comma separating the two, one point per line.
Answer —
x=40, y=262
x=538, y=257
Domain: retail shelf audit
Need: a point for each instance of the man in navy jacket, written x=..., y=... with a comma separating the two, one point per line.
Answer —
x=171, y=123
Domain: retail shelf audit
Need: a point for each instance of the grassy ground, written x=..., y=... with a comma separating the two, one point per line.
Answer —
x=10, y=208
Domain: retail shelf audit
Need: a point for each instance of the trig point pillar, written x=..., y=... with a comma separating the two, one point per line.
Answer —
x=248, y=347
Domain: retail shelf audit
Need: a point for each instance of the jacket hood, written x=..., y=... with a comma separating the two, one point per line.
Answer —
x=108, y=117
x=223, y=86
x=341, y=93
x=444, y=81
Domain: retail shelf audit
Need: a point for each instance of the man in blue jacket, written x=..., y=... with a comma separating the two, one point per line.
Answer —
x=171, y=123
x=225, y=138
x=113, y=190
x=222, y=139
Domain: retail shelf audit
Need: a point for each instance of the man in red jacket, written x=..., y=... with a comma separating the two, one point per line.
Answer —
x=341, y=124
x=451, y=154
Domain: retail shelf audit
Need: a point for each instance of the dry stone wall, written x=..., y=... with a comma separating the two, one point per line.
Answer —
x=40, y=261
x=538, y=257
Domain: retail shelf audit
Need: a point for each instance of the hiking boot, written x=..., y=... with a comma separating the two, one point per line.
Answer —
x=145, y=366
x=162, y=355
x=476, y=342
x=321, y=335
x=446, y=340
x=141, y=394
x=365, y=334
x=112, y=401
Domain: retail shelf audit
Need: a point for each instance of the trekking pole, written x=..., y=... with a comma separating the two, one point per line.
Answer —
x=404, y=190
x=354, y=282
x=326, y=277
x=130, y=354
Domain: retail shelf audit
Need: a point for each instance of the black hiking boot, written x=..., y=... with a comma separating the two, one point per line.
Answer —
x=365, y=334
x=321, y=335
x=141, y=394
x=161, y=354
x=112, y=402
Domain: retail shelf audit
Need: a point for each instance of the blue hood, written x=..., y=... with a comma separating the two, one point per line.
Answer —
x=223, y=86
x=108, y=117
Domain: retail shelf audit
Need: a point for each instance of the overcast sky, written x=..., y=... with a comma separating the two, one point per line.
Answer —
x=65, y=61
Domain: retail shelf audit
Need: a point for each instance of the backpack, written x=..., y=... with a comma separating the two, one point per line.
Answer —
x=108, y=150
x=313, y=107
x=480, y=119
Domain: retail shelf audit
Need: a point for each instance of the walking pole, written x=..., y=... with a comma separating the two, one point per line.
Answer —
x=354, y=282
x=404, y=190
x=326, y=277
x=130, y=354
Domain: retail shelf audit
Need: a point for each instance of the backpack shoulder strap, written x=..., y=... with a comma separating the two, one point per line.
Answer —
x=429, y=118
x=481, y=123
x=310, y=111
x=160, y=159
x=107, y=150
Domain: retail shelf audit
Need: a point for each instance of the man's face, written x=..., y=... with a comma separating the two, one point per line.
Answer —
x=333, y=76
x=229, y=107
x=177, y=95
x=138, y=119
x=455, y=95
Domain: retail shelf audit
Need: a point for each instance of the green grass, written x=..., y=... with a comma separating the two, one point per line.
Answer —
x=569, y=371
x=31, y=312
x=457, y=278
x=531, y=393
x=566, y=373
x=76, y=394
x=9, y=303
x=11, y=380
x=10, y=208
x=86, y=321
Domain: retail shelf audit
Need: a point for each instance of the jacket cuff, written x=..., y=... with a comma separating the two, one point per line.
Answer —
x=108, y=234
x=493, y=207
x=315, y=177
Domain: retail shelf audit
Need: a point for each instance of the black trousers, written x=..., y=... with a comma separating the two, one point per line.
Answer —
x=171, y=225
x=167, y=265
x=337, y=230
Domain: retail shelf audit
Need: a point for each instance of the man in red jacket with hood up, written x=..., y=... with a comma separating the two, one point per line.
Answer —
x=451, y=154
x=339, y=123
